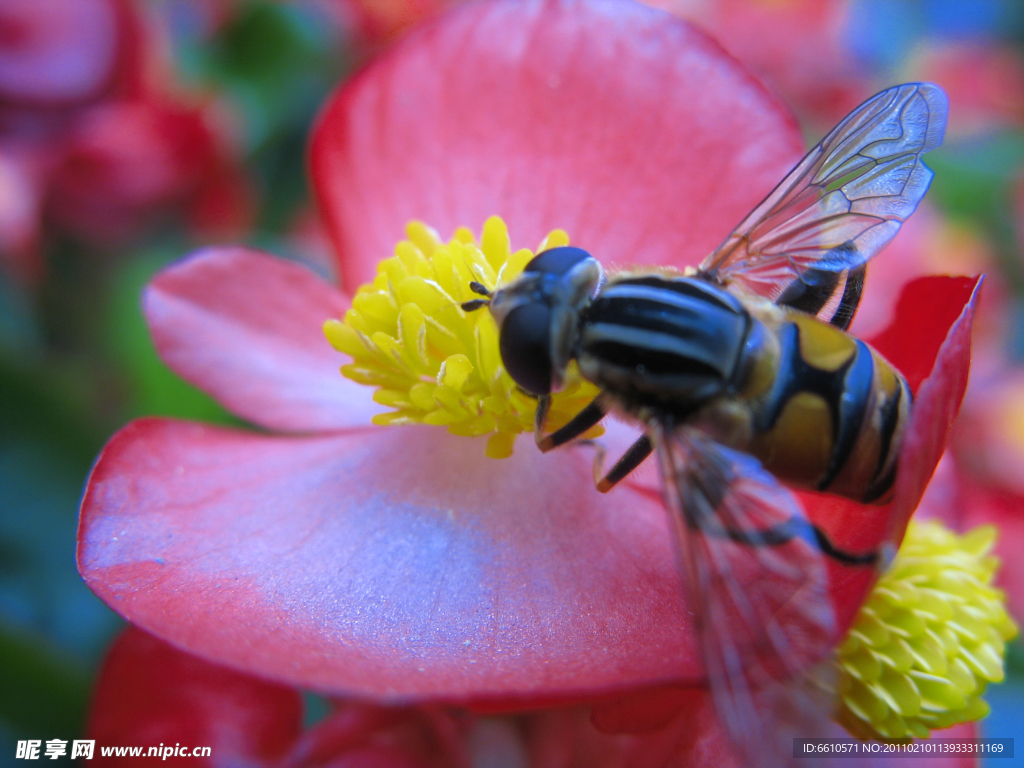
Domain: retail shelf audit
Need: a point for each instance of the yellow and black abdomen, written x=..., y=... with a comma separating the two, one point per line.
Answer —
x=834, y=416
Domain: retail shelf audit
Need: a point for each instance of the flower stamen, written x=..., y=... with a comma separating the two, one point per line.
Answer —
x=928, y=640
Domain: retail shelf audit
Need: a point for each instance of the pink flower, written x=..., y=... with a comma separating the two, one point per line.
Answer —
x=56, y=59
x=400, y=564
x=91, y=139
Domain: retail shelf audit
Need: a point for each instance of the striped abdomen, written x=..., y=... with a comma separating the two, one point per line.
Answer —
x=818, y=407
x=834, y=416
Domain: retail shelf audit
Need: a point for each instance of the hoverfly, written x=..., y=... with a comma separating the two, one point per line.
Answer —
x=741, y=374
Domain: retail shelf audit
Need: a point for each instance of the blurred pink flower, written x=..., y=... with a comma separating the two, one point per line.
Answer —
x=984, y=82
x=798, y=47
x=128, y=163
x=372, y=23
x=985, y=472
x=59, y=54
x=92, y=139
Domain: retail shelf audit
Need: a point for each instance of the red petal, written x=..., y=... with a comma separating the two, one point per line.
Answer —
x=149, y=693
x=948, y=302
x=362, y=735
x=926, y=314
x=393, y=562
x=646, y=710
x=566, y=737
x=686, y=728
x=247, y=328
x=617, y=122
x=694, y=736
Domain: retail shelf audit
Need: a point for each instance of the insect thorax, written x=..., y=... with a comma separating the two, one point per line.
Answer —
x=663, y=347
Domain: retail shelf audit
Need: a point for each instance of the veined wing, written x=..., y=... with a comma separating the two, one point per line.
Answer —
x=758, y=579
x=841, y=204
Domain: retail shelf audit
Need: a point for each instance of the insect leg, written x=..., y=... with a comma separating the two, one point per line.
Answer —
x=783, y=533
x=629, y=461
x=844, y=557
x=851, y=297
x=577, y=425
x=810, y=291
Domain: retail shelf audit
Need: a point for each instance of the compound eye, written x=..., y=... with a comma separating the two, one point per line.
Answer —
x=556, y=261
x=525, y=344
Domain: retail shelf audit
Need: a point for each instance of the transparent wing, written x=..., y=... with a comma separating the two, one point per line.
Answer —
x=758, y=581
x=843, y=202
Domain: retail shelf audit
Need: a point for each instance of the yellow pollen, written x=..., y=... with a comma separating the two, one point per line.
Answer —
x=431, y=361
x=929, y=639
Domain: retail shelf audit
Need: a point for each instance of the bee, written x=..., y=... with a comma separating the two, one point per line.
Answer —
x=742, y=375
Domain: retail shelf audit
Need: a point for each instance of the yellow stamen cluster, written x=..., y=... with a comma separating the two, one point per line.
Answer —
x=433, y=362
x=928, y=640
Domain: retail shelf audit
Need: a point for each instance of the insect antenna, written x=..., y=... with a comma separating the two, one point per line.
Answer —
x=481, y=289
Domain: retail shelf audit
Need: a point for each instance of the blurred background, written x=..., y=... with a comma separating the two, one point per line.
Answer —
x=134, y=132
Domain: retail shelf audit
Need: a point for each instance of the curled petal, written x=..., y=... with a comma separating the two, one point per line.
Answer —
x=149, y=692
x=647, y=709
x=619, y=123
x=927, y=313
x=929, y=340
x=399, y=563
x=949, y=302
x=247, y=328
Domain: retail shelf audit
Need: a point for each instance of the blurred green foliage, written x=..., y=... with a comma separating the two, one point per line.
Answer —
x=274, y=62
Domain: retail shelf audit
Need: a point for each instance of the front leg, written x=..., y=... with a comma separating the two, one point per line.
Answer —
x=577, y=425
x=630, y=460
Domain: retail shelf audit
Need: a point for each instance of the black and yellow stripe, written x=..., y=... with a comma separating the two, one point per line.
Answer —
x=833, y=416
